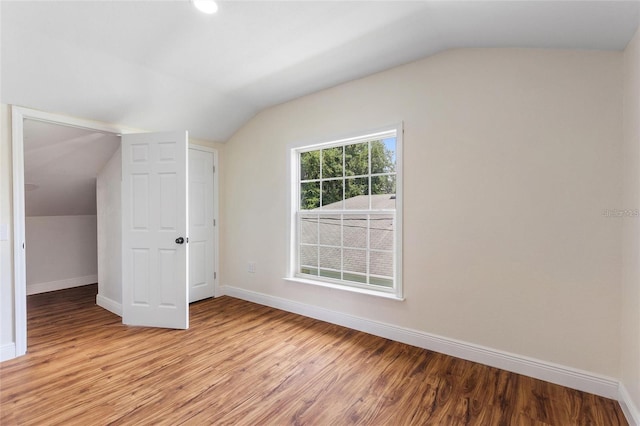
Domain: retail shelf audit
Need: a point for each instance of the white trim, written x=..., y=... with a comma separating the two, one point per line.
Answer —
x=216, y=228
x=360, y=138
x=543, y=370
x=216, y=198
x=19, y=255
x=44, y=287
x=293, y=171
x=344, y=287
x=109, y=304
x=630, y=410
x=399, y=235
x=344, y=136
x=18, y=115
x=7, y=351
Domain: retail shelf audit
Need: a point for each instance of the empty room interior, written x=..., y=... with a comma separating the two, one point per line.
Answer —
x=320, y=212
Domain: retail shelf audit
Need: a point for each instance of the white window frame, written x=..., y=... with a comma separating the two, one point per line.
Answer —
x=395, y=292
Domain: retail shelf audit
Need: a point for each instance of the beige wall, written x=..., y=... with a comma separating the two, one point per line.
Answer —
x=109, y=212
x=510, y=158
x=61, y=252
x=630, y=349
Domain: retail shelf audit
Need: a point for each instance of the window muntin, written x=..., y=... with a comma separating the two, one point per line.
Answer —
x=346, y=212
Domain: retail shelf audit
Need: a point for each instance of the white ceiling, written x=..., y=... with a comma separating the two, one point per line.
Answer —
x=60, y=168
x=161, y=65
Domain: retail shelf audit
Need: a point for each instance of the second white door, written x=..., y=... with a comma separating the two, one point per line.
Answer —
x=201, y=224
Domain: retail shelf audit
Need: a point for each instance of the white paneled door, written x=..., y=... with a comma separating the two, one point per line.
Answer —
x=155, y=253
x=201, y=224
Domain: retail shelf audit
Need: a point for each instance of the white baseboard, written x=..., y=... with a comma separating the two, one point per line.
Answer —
x=7, y=351
x=61, y=284
x=109, y=304
x=550, y=372
x=629, y=408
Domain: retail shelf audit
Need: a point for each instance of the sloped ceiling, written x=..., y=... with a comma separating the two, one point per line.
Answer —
x=162, y=65
x=60, y=168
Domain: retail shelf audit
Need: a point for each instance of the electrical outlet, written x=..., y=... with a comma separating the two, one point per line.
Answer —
x=251, y=267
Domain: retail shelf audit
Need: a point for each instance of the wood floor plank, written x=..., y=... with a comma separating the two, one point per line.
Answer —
x=244, y=364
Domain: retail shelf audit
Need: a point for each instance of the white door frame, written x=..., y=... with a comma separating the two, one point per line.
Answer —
x=18, y=115
x=216, y=256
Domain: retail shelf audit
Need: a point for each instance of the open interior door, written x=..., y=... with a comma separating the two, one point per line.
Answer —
x=155, y=254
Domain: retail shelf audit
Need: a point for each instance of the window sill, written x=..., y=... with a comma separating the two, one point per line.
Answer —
x=346, y=288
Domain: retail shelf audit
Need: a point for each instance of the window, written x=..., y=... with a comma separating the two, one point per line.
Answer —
x=345, y=220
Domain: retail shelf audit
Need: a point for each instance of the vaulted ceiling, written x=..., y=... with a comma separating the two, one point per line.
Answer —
x=162, y=65
x=61, y=164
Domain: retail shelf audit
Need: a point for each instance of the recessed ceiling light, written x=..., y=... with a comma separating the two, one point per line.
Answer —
x=206, y=6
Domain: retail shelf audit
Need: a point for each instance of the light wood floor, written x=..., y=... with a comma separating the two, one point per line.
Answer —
x=245, y=364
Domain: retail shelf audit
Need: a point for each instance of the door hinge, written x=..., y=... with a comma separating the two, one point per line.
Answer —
x=214, y=222
x=214, y=169
x=215, y=275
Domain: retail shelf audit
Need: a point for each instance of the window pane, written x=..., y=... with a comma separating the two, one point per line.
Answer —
x=355, y=261
x=310, y=165
x=330, y=230
x=332, y=162
x=330, y=257
x=309, y=229
x=348, y=276
x=309, y=195
x=381, y=263
x=330, y=274
x=383, y=156
x=356, y=194
x=356, y=159
x=354, y=229
x=383, y=282
x=309, y=271
x=308, y=255
x=332, y=194
x=383, y=192
x=381, y=232
x=385, y=184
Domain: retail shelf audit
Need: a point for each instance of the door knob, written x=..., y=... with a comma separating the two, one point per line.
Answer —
x=179, y=240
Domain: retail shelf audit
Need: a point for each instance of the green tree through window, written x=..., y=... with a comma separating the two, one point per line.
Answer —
x=346, y=172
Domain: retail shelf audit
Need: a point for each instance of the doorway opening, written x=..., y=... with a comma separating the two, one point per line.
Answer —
x=29, y=141
x=22, y=119
x=61, y=165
